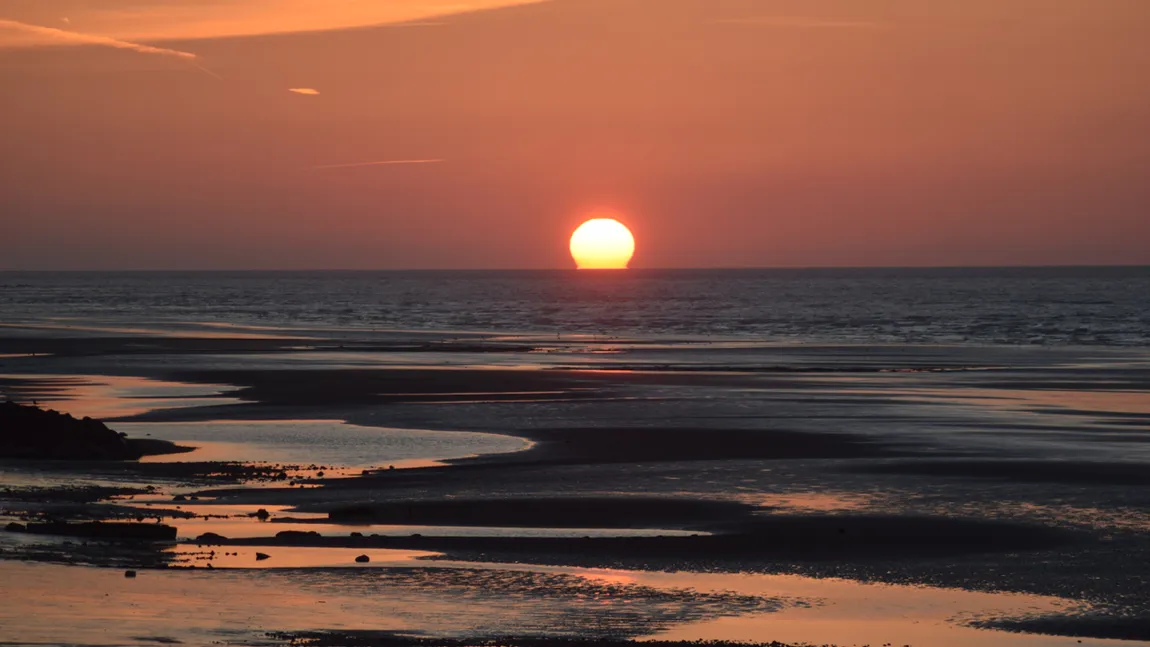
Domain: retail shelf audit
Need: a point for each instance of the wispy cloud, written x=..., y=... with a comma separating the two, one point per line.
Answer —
x=380, y=163
x=66, y=37
x=802, y=22
x=303, y=90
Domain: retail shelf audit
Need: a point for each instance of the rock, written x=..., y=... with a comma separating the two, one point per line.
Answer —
x=210, y=538
x=15, y=527
x=297, y=534
x=31, y=432
x=261, y=556
x=363, y=559
x=129, y=574
x=105, y=530
x=356, y=534
x=179, y=497
x=263, y=515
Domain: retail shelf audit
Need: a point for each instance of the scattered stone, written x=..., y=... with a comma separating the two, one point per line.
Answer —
x=179, y=497
x=15, y=527
x=356, y=534
x=261, y=556
x=363, y=559
x=129, y=574
x=263, y=515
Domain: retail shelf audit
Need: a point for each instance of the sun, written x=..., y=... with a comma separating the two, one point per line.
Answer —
x=602, y=244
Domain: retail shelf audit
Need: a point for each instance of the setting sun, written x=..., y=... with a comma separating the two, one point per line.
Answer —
x=602, y=244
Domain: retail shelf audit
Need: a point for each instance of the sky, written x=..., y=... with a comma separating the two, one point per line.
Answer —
x=348, y=134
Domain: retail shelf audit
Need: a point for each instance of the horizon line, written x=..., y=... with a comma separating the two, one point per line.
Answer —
x=572, y=269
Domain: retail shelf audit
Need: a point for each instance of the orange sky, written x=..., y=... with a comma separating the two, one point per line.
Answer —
x=191, y=134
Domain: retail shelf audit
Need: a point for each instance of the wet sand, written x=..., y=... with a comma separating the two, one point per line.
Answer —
x=940, y=491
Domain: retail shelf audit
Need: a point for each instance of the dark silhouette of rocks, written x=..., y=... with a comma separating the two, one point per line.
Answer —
x=15, y=527
x=30, y=432
x=262, y=514
x=211, y=538
x=363, y=559
x=129, y=574
x=297, y=534
x=262, y=556
x=105, y=530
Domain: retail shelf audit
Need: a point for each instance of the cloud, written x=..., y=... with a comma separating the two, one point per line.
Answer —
x=64, y=37
x=303, y=90
x=380, y=163
x=182, y=20
x=802, y=22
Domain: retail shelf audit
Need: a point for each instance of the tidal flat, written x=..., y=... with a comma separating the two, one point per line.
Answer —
x=523, y=488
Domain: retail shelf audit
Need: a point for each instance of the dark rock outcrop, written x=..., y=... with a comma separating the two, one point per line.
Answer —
x=297, y=534
x=211, y=538
x=30, y=432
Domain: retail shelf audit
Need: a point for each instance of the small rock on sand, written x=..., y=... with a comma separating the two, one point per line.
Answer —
x=363, y=559
x=15, y=527
x=261, y=556
x=129, y=574
x=210, y=538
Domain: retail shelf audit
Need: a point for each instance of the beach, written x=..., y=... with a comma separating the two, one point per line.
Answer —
x=467, y=486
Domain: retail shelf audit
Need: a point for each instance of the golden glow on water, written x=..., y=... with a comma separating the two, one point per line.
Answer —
x=56, y=604
x=602, y=244
x=117, y=396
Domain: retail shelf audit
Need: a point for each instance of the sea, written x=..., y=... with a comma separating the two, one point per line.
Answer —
x=1056, y=306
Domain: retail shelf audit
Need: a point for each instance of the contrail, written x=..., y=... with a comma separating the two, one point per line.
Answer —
x=207, y=71
x=77, y=38
x=801, y=22
x=380, y=163
x=91, y=39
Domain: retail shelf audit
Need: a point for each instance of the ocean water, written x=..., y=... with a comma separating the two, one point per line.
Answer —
x=1106, y=306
